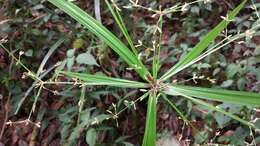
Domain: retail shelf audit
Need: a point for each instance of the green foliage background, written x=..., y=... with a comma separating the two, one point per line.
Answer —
x=32, y=27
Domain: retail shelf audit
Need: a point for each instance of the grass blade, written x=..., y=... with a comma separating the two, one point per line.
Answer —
x=236, y=97
x=176, y=109
x=211, y=107
x=122, y=26
x=40, y=74
x=104, y=80
x=150, y=126
x=104, y=34
x=157, y=51
x=48, y=55
x=181, y=114
x=215, y=48
x=203, y=44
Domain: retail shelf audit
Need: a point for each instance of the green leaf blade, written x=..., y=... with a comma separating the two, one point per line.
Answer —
x=150, y=126
x=104, y=34
x=116, y=14
x=211, y=107
x=202, y=45
x=104, y=80
x=235, y=97
x=179, y=112
x=157, y=51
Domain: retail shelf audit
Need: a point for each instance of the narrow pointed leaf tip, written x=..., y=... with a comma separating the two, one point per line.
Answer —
x=235, y=97
x=104, y=34
x=104, y=80
x=203, y=44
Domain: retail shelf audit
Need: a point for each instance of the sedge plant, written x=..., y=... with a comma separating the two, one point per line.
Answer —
x=155, y=86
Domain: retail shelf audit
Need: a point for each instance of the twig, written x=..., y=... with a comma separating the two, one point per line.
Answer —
x=36, y=128
x=97, y=10
x=35, y=83
x=26, y=122
x=6, y=117
x=81, y=102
